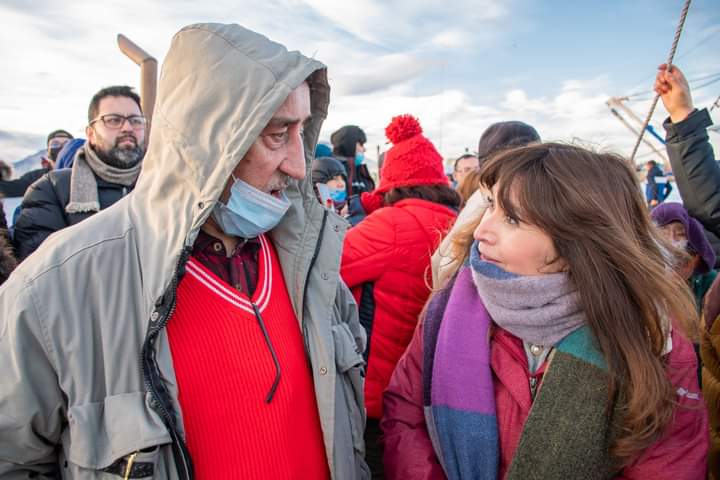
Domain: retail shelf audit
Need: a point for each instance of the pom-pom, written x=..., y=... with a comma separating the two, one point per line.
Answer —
x=402, y=127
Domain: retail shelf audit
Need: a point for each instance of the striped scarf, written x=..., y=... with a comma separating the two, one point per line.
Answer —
x=459, y=400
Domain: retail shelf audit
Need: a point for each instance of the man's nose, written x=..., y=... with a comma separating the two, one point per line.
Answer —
x=126, y=127
x=294, y=164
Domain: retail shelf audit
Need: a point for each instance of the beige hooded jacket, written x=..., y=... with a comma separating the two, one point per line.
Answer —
x=86, y=373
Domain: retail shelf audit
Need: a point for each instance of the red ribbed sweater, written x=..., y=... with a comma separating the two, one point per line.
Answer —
x=224, y=371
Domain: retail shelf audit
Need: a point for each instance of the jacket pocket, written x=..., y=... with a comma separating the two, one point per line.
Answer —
x=118, y=437
x=347, y=356
x=349, y=394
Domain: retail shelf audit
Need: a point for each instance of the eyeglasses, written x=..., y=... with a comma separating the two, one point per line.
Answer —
x=115, y=121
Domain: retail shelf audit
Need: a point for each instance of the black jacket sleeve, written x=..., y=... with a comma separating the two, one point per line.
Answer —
x=41, y=214
x=18, y=187
x=696, y=172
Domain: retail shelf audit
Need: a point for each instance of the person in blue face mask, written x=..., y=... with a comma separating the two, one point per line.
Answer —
x=213, y=290
x=349, y=147
x=330, y=172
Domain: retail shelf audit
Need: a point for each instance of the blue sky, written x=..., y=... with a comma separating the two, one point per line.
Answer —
x=550, y=63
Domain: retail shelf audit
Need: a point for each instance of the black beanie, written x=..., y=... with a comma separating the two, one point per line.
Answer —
x=58, y=133
x=326, y=168
x=502, y=135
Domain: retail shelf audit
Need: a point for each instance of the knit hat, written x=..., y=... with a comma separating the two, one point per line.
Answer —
x=669, y=212
x=345, y=140
x=58, y=133
x=323, y=150
x=502, y=135
x=327, y=168
x=413, y=160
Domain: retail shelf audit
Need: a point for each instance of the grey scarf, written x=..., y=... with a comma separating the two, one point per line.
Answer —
x=540, y=309
x=83, y=186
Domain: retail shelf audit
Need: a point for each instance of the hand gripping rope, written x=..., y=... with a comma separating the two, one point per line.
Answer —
x=678, y=31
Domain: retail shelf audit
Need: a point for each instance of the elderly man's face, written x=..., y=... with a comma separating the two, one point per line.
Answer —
x=278, y=154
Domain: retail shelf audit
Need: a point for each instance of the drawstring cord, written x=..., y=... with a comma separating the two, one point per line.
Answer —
x=268, y=342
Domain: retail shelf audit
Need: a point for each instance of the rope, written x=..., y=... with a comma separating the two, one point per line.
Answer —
x=716, y=103
x=678, y=31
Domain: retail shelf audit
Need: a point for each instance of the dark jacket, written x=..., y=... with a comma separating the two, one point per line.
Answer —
x=7, y=258
x=43, y=209
x=359, y=178
x=18, y=187
x=696, y=173
x=654, y=190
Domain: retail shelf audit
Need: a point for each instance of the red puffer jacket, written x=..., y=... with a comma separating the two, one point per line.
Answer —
x=391, y=249
x=679, y=455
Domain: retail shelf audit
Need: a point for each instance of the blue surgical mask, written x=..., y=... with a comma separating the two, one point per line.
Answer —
x=359, y=158
x=338, y=195
x=249, y=212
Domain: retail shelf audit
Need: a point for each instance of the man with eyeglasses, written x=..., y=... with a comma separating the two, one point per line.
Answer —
x=104, y=170
x=198, y=328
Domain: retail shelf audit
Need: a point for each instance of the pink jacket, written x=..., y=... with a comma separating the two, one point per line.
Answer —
x=680, y=454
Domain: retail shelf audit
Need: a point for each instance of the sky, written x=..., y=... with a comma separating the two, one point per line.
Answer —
x=458, y=66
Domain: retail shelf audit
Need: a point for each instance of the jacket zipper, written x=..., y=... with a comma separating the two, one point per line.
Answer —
x=153, y=383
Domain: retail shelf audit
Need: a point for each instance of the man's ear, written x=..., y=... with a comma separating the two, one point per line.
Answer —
x=90, y=135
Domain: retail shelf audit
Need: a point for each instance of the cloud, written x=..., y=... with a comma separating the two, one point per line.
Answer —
x=359, y=73
x=384, y=59
x=575, y=112
x=16, y=145
x=450, y=39
x=405, y=22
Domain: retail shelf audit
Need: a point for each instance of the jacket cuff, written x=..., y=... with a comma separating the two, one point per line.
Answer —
x=698, y=119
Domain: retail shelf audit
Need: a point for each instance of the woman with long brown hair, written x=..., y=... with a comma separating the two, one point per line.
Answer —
x=560, y=348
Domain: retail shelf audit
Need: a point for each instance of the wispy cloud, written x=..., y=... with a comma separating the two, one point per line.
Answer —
x=409, y=22
x=454, y=122
x=384, y=58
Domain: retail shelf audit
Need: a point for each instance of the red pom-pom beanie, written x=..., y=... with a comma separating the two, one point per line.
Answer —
x=413, y=160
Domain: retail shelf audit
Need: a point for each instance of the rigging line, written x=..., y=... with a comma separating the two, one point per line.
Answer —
x=683, y=53
x=715, y=104
x=676, y=40
x=690, y=81
x=700, y=42
x=698, y=87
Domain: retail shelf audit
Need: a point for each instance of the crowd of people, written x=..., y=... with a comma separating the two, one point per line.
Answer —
x=230, y=298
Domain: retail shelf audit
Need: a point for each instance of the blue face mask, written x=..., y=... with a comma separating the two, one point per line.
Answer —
x=359, y=158
x=338, y=195
x=249, y=212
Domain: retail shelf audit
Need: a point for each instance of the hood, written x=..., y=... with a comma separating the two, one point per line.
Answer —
x=219, y=87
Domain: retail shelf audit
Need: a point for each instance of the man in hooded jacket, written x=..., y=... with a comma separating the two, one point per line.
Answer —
x=131, y=350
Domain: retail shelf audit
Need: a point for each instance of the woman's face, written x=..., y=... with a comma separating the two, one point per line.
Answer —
x=513, y=245
x=685, y=262
x=337, y=182
x=675, y=232
x=359, y=148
